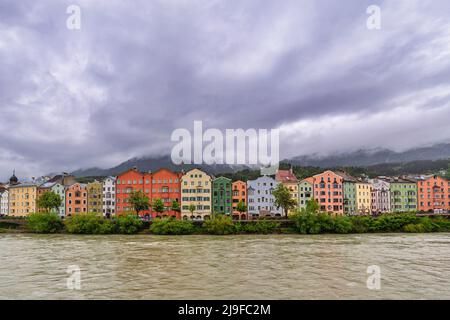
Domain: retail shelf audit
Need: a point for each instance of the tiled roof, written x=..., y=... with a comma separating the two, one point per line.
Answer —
x=285, y=176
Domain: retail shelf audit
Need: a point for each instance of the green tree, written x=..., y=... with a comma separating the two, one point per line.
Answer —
x=192, y=208
x=447, y=175
x=175, y=206
x=139, y=201
x=158, y=206
x=312, y=206
x=49, y=200
x=241, y=207
x=283, y=199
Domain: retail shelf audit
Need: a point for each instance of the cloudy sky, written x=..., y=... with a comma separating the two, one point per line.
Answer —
x=137, y=70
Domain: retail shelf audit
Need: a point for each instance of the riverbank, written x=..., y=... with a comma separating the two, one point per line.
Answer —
x=301, y=223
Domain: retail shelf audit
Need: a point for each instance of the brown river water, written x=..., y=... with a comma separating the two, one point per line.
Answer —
x=230, y=267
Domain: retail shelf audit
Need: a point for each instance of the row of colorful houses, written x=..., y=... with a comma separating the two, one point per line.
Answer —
x=200, y=194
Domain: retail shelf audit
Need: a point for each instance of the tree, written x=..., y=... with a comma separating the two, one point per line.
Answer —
x=447, y=175
x=139, y=201
x=49, y=200
x=175, y=206
x=158, y=206
x=192, y=208
x=312, y=206
x=241, y=207
x=283, y=199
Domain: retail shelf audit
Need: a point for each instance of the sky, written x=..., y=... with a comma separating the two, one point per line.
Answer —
x=117, y=87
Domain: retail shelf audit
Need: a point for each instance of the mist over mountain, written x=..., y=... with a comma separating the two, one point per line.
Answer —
x=155, y=163
x=364, y=158
x=360, y=158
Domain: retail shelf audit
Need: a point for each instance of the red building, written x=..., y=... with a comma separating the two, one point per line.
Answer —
x=434, y=194
x=329, y=193
x=166, y=186
x=163, y=184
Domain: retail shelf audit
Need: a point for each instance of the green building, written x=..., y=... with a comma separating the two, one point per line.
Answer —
x=305, y=192
x=60, y=190
x=349, y=187
x=95, y=197
x=403, y=194
x=222, y=197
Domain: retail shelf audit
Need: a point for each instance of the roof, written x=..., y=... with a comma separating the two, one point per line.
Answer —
x=284, y=176
x=347, y=177
x=310, y=180
x=22, y=185
x=47, y=185
x=397, y=179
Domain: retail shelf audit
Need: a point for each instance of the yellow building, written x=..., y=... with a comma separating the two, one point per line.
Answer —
x=95, y=197
x=289, y=180
x=363, y=197
x=22, y=199
x=196, y=189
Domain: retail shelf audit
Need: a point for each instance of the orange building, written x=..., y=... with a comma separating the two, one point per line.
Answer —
x=76, y=199
x=328, y=191
x=163, y=184
x=239, y=193
x=166, y=186
x=434, y=194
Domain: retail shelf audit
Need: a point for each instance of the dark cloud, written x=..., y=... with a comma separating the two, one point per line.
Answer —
x=138, y=70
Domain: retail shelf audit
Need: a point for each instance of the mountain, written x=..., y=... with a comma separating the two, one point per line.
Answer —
x=153, y=164
x=365, y=158
x=380, y=158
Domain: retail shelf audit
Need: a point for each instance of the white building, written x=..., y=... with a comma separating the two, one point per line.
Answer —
x=109, y=196
x=4, y=198
x=381, y=196
x=260, y=198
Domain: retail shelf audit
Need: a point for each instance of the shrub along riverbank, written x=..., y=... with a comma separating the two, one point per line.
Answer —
x=302, y=223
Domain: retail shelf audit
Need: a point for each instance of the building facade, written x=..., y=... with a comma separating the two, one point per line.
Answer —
x=349, y=185
x=166, y=185
x=305, y=192
x=289, y=180
x=221, y=196
x=239, y=194
x=22, y=199
x=109, y=197
x=60, y=190
x=261, y=202
x=196, y=190
x=95, y=197
x=128, y=182
x=328, y=191
x=363, y=197
x=434, y=194
x=76, y=199
x=4, y=202
x=403, y=194
x=381, y=196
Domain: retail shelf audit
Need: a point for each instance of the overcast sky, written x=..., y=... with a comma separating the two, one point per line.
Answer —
x=137, y=70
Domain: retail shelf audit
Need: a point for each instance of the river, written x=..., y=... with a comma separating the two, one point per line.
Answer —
x=231, y=267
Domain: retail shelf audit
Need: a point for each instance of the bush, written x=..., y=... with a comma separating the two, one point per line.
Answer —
x=219, y=225
x=44, y=223
x=89, y=223
x=394, y=222
x=171, y=226
x=441, y=224
x=312, y=223
x=342, y=225
x=260, y=227
x=361, y=224
x=127, y=224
